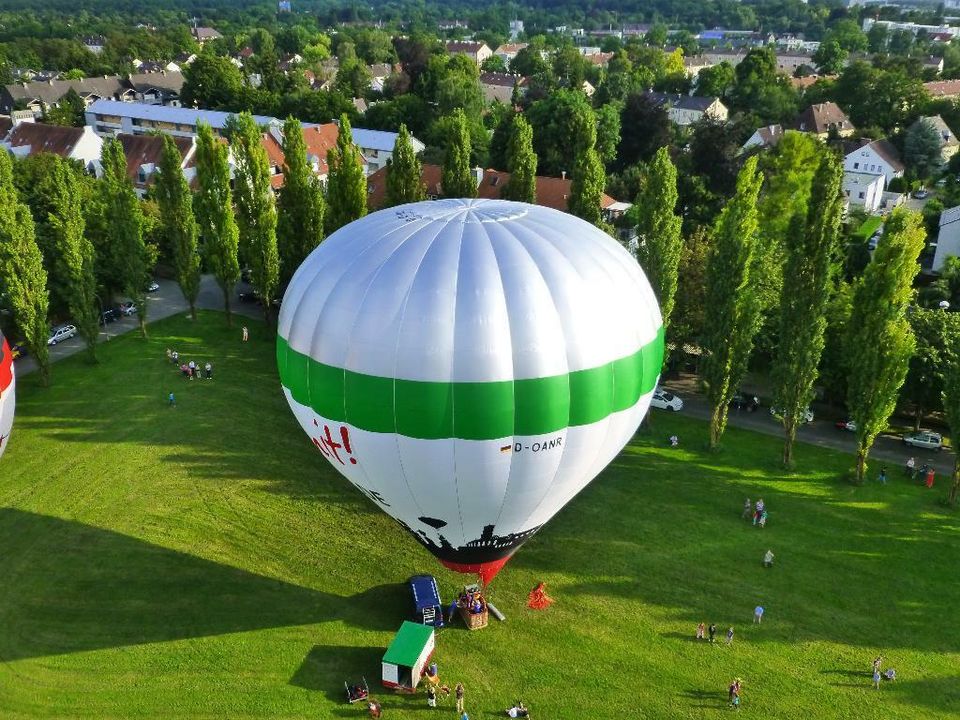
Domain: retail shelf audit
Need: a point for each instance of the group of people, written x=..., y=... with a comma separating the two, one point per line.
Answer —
x=888, y=674
x=703, y=631
x=758, y=512
x=190, y=369
x=926, y=472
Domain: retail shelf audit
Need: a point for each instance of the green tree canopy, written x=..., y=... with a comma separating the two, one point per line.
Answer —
x=346, y=182
x=404, y=173
x=456, y=175
x=521, y=162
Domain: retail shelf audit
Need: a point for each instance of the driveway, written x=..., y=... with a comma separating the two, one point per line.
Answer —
x=166, y=301
x=888, y=448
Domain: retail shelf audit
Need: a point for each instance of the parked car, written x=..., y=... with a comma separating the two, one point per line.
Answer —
x=18, y=350
x=807, y=414
x=249, y=297
x=153, y=286
x=427, y=606
x=64, y=332
x=245, y=275
x=127, y=308
x=846, y=425
x=666, y=401
x=740, y=401
x=108, y=316
x=921, y=194
x=924, y=439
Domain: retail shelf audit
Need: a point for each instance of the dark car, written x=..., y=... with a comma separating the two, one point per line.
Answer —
x=742, y=401
x=108, y=316
x=249, y=297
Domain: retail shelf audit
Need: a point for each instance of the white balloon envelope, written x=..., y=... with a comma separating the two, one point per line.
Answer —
x=469, y=365
x=7, y=391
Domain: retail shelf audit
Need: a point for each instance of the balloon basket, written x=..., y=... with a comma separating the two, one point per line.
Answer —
x=467, y=605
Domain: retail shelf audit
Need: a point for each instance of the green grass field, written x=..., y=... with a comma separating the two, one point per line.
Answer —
x=206, y=562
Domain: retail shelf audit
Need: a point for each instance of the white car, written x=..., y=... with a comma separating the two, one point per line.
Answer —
x=666, y=401
x=807, y=414
x=153, y=286
x=127, y=308
x=64, y=332
x=924, y=439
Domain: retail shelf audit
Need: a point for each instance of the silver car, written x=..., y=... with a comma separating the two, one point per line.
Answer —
x=64, y=332
x=924, y=439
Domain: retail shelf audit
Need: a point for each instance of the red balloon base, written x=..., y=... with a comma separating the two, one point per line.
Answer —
x=486, y=570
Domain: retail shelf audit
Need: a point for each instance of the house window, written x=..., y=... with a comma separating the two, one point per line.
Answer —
x=860, y=196
x=856, y=166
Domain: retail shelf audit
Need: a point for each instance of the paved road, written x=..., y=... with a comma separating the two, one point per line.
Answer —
x=888, y=448
x=166, y=301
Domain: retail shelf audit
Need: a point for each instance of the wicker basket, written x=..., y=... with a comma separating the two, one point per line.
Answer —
x=475, y=621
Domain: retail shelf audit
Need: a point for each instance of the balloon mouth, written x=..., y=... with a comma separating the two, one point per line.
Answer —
x=487, y=571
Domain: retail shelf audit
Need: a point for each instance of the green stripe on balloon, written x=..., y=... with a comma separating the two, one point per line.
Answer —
x=470, y=410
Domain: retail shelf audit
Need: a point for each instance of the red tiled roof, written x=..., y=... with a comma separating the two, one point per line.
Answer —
x=46, y=138
x=552, y=192
x=820, y=117
x=147, y=150
x=943, y=88
x=318, y=139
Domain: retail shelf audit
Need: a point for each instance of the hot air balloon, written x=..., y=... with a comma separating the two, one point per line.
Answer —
x=469, y=365
x=7, y=386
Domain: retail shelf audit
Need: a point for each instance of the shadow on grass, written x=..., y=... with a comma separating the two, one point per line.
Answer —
x=706, y=699
x=941, y=694
x=69, y=587
x=328, y=667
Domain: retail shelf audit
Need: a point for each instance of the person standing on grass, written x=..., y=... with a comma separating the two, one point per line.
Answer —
x=911, y=468
x=171, y=400
x=877, y=662
x=712, y=630
x=246, y=334
x=730, y=636
x=747, y=509
x=883, y=476
x=431, y=697
x=758, y=614
x=768, y=559
x=876, y=679
x=209, y=370
x=459, y=694
x=700, y=631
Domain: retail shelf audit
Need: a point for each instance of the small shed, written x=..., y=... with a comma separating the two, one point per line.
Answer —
x=427, y=606
x=407, y=656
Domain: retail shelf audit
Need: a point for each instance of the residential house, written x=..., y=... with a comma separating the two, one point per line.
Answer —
x=587, y=88
x=516, y=29
x=109, y=117
x=143, y=153
x=476, y=51
x=688, y=109
x=802, y=83
x=204, y=34
x=948, y=141
x=500, y=86
x=452, y=25
x=693, y=64
x=80, y=144
x=598, y=59
x=508, y=51
x=378, y=75
x=822, y=118
x=864, y=190
x=764, y=137
x=154, y=88
x=948, y=239
x=94, y=43
x=948, y=89
x=552, y=192
x=934, y=63
x=788, y=63
x=873, y=157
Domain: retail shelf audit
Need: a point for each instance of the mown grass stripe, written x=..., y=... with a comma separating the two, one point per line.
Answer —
x=470, y=410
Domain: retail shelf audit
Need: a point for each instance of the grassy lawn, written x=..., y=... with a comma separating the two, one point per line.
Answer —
x=206, y=562
x=869, y=227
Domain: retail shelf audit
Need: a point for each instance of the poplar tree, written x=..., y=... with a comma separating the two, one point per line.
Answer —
x=660, y=244
x=807, y=284
x=179, y=224
x=879, y=340
x=404, y=173
x=456, y=177
x=300, y=206
x=21, y=270
x=731, y=320
x=951, y=408
x=74, y=255
x=256, y=209
x=588, y=179
x=346, y=182
x=125, y=224
x=214, y=207
x=521, y=162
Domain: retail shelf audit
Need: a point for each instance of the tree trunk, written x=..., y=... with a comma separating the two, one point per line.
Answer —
x=789, y=434
x=917, y=418
x=955, y=487
x=718, y=421
x=193, y=310
x=92, y=350
x=266, y=311
x=862, y=452
x=143, y=327
x=44, y=368
x=226, y=307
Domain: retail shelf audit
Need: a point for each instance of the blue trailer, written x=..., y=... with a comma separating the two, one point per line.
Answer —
x=428, y=609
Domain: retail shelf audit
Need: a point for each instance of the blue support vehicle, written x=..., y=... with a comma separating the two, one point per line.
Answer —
x=428, y=609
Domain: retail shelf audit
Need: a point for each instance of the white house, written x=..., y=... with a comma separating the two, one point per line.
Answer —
x=863, y=190
x=948, y=141
x=873, y=157
x=764, y=137
x=71, y=143
x=948, y=240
